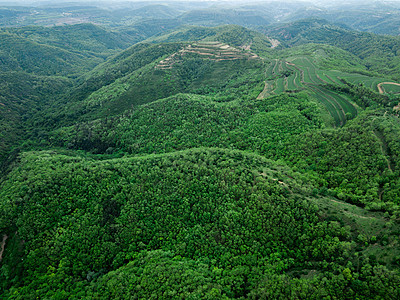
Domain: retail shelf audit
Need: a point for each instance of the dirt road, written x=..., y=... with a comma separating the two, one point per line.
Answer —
x=380, y=88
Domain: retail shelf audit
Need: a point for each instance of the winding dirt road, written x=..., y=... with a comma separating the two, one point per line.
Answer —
x=380, y=88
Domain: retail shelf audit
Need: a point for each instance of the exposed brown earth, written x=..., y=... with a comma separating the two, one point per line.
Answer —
x=246, y=47
x=264, y=93
x=274, y=43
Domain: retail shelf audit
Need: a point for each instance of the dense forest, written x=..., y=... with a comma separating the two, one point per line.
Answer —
x=189, y=151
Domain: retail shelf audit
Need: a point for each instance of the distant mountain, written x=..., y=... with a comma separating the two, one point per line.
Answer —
x=144, y=29
x=11, y=15
x=214, y=17
x=380, y=17
x=154, y=11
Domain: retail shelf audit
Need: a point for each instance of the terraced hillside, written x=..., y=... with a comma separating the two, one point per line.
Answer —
x=301, y=73
x=215, y=51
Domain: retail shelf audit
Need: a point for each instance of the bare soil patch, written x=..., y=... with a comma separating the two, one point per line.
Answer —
x=274, y=43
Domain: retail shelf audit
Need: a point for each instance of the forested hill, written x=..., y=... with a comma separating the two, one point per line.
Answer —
x=22, y=54
x=145, y=72
x=78, y=38
x=158, y=162
x=62, y=50
x=39, y=65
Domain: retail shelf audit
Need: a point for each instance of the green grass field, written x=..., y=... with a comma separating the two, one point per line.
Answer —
x=314, y=75
x=341, y=100
x=279, y=86
x=291, y=82
x=333, y=107
x=297, y=80
x=275, y=67
x=270, y=70
x=301, y=73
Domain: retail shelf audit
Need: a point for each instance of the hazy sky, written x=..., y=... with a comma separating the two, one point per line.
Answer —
x=243, y=1
x=330, y=2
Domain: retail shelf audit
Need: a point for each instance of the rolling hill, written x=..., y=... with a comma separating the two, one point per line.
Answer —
x=77, y=38
x=38, y=66
x=20, y=54
x=233, y=35
x=135, y=76
x=157, y=161
x=152, y=11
